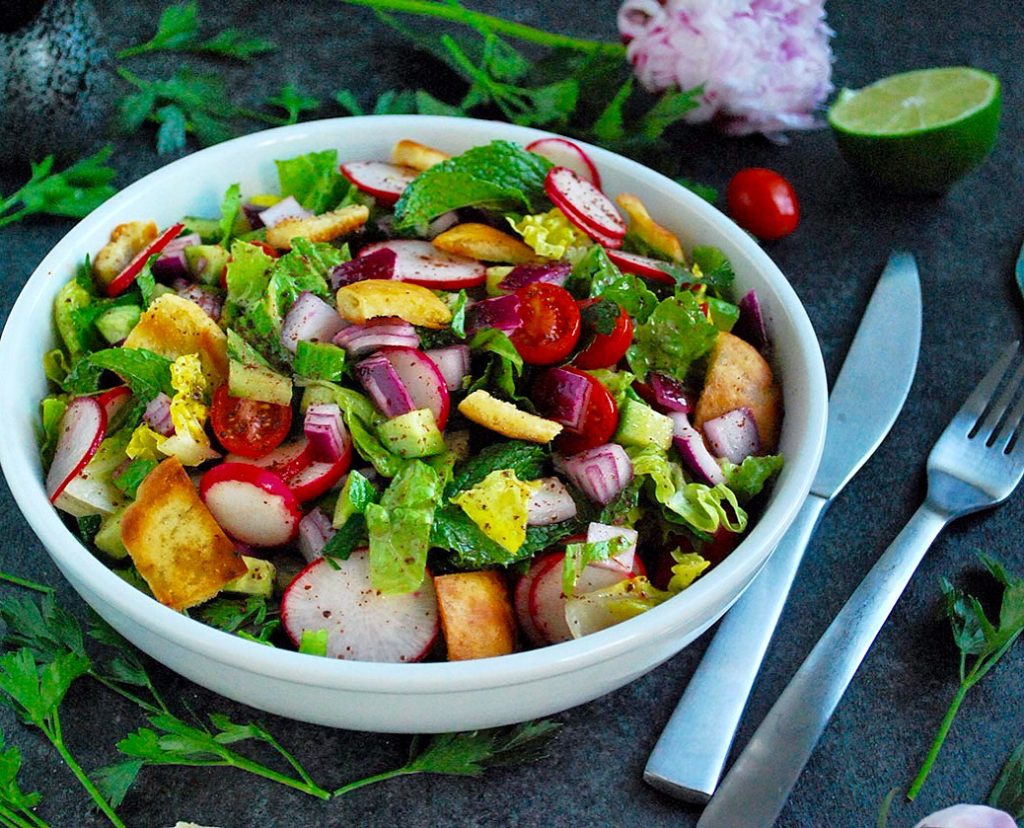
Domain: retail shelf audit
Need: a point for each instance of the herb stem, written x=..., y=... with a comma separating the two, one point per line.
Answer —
x=488, y=22
x=405, y=770
x=145, y=705
x=236, y=760
x=291, y=760
x=11, y=819
x=940, y=737
x=24, y=582
x=135, y=51
x=53, y=733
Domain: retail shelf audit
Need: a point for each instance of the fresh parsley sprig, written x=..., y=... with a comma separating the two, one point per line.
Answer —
x=981, y=641
x=73, y=192
x=178, y=31
x=1008, y=791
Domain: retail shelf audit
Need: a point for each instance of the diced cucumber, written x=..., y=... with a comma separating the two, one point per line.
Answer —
x=115, y=324
x=640, y=425
x=207, y=263
x=70, y=298
x=495, y=275
x=414, y=434
x=259, y=580
x=108, y=538
x=257, y=382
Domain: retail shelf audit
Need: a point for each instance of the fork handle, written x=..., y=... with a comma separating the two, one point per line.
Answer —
x=755, y=790
x=688, y=759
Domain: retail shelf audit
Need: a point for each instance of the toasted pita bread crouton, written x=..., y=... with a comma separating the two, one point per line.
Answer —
x=505, y=418
x=174, y=541
x=739, y=376
x=649, y=231
x=484, y=243
x=323, y=228
x=476, y=615
x=371, y=298
x=126, y=242
x=418, y=156
x=173, y=327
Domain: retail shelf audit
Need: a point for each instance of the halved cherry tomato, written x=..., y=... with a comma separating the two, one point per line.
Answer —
x=606, y=349
x=251, y=428
x=269, y=249
x=551, y=323
x=600, y=419
x=763, y=202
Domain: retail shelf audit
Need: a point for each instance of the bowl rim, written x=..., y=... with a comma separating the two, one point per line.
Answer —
x=21, y=463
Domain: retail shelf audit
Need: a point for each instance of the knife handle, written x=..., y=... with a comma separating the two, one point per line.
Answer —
x=688, y=759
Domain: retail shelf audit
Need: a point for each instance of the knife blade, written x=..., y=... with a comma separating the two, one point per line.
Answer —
x=1019, y=270
x=866, y=398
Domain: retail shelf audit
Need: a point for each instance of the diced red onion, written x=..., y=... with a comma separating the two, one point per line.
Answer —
x=551, y=503
x=733, y=435
x=381, y=381
x=314, y=531
x=310, y=319
x=252, y=215
x=694, y=452
x=597, y=532
x=325, y=431
x=158, y=415
x=499, y=312
x=453, y=363
x=172, y=263
x=380, y=264
x=601, y=473
x=377, y=333
x=441, y=223
x=286, y=208
x=669, y=393
x=526, y=274
x=563, y=396
x=751, y=325
x=207, y=300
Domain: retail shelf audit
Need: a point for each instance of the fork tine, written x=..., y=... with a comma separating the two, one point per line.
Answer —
x=1010, y=441
x=977, y=403
x=992, y=428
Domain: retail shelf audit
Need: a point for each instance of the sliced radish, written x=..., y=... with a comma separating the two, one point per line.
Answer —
x=418, y=373
x=640, y=265
x=564, y=153
x=319, y=477
x=453, y=363
x=362, y=623
x=521, y=604
x=114, y=400
x=295, y=464
x=384, y=181
x=81, y=431
x=126, y=278
x=285, y=461
x=286, y=208
x=580, y=200
x=420, y=263
x=251, y=504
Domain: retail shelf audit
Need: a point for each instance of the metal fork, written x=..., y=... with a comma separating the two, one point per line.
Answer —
x=975, y=464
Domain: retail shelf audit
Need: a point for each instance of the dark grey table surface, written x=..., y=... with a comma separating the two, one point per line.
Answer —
x=965, y=244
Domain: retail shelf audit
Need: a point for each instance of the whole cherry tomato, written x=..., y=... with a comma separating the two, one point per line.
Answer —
x=250, y=428
x=763, y=202
x=606, y=349
x=551, y=323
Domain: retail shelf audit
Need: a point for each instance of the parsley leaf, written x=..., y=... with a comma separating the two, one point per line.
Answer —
x=178, y=31
x=294, y=102
x=1008, y=792
x=74, y=192
x=250, y=615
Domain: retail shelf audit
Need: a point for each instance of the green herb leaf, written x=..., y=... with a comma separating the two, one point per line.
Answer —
x=595, y=276
x=230, y=206
x=294, y=102
x=709, y=194
x=672, y=339
x=114, y=781
x=146, y=373
x=525, y=459
x=250, y=615
x=178, y=31
x=313, y=179
x=749, y=478
x=1008, y=792
x=129, y=480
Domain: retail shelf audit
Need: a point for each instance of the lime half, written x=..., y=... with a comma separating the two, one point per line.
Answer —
x=918, y=132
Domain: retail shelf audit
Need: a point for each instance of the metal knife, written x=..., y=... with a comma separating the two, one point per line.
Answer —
x=872, y=386
x=1019, y=270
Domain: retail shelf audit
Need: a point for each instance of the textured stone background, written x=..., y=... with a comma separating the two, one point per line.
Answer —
x=966, y=244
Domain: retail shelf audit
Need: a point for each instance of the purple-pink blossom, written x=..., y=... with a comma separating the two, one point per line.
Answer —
x=968, y=816
x=765, y=65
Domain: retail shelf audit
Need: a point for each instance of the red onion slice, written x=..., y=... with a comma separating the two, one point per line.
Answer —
x=382, y=382
x=733, y=435
x=310, y=319
x=751, y=325
x=158, y=415
x=551, y=503
x=325, y=432
x=358, y=340
x=210, y=302
x=286, y=208
x=669, y=393
x=380, y=264
x=453, y=363
x=522, y=275
x=314, y=531
x=172, y=263
x=563, y=396
x=695, y=454
x=601, y=473
x=499, y=312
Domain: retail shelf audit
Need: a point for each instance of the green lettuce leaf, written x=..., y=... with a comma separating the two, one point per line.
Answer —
x=594, y=276
x=53, y=409
x=230, y=207
x=748, y=479
x=579, y=555
x=314, y=180
x=676, y=334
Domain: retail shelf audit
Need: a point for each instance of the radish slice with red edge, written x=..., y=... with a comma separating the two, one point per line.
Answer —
x=362, y=624
x=426, y=387
x=81, y=431
x=251, y=504
x=584, y=202
x=453, y=363
x=285, y=461
x=695, y=454
x=319, y=477
x=126, y=278
x=733, y=435
x=640, y=265
x=521, y=605
x=378, y=264
x=385, y=387
x=420, y=263
x=523, y=275
x=384, y=181
x=564, y=153
x=551, y=503
x=114, y=400
x=315, y=530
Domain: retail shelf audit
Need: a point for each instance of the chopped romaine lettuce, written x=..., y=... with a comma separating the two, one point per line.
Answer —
x=357, y=493
x=498, y=506
x=580, y=555
x=314, y=180
x=319, y=361
x=550, y=234
x=676, y=334
x=748, y=478
x=688, y=567
x=230, y=207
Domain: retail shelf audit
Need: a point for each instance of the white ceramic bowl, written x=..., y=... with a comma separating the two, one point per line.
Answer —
x=402, y=697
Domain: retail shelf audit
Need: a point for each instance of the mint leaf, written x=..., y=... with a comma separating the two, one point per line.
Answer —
x=129, y=480
x=146, y=373
x=500, y=175
x=525, y=459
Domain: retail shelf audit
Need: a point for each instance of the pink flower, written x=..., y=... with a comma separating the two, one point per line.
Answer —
x=765, y=65
x=968, y=816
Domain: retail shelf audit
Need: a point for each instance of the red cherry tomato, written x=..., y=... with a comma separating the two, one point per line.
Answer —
x=763, y=202
x=600, y=419
x=606, y=349
x=250, y=428
x=551, y=323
